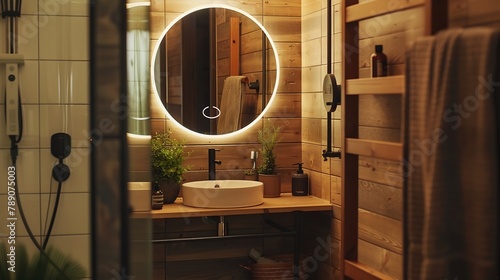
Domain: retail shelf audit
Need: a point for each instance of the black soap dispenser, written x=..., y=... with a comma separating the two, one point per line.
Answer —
x=300, y=182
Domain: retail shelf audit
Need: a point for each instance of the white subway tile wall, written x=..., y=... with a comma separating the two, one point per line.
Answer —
x=54, y=82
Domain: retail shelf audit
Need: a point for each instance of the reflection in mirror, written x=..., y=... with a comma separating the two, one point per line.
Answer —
x=138, y=83
x=138, y=68
x=215, y=70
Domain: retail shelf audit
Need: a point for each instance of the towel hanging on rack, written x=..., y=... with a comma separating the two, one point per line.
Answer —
x=452, y=141
x=231, y=104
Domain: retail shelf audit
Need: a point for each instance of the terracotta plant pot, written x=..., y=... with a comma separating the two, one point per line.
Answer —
x=272, y=184
x=170, y=191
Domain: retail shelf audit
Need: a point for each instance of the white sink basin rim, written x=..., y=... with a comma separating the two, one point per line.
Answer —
x=222, y=193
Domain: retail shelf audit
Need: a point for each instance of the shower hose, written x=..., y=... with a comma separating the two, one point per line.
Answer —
x=14, y=151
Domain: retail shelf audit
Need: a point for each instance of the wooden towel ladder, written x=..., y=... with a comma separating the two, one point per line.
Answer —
x=353, y=146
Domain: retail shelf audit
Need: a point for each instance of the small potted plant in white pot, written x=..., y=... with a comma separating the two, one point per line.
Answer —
x=167, y=157
x=268, y=138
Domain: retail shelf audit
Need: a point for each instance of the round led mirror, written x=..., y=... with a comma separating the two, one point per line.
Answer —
x=215, y=70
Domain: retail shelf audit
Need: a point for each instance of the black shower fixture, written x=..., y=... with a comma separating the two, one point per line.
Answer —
x=11, y=8
x=60, y=147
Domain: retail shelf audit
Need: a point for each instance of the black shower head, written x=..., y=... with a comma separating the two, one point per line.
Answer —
x=60, y=145
x=11, y=8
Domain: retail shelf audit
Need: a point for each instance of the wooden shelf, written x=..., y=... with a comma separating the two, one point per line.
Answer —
x=373, y=148
x=283, y=204
x=381, y=85
x=354, y=87
x=375, y=8
x=356, y=270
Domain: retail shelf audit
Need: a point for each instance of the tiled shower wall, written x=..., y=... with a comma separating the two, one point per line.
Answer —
x=54, y=82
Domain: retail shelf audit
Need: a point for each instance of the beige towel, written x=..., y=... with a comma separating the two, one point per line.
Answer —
x=453, y=168
x=231, y=105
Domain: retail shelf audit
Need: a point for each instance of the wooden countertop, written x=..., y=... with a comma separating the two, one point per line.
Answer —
x=285, y=203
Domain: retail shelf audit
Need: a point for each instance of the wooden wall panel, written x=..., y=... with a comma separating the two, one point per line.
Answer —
x=474, y=13
x=283, y=24
x=313, y=107
x=312, y=130
x=380, y=187
x=290, y=80
x=381, y=199
x=406, y=21
x=251, y=41
x=381, y=231
x=380, y=193
x=282, y=7
x=283, y=28
x=336, y=189
x=381, y=171
x=173, y=64
x=289, y=54
x=392, y=31
x=320, y=185
x=285, y=106
x=253, y=7
x=380, y=111
x=314, y=124
x=251, y=62
x=382, y=122
x=383, y=260
x=380, y=133
x=313, y=159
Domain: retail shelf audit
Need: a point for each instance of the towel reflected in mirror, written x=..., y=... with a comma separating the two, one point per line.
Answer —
x=231, y=104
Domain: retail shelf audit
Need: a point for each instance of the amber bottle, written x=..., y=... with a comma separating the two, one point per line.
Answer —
x=379, y=62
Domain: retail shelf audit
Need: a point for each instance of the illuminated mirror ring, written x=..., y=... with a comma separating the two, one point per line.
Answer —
x=207, y=116
x=156, y=51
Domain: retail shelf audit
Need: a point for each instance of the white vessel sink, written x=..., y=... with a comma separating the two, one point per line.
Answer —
x=222, y=193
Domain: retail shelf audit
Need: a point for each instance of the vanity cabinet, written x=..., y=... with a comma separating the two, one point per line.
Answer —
x=207, y=243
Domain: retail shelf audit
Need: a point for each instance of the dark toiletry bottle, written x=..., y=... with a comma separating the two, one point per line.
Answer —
x=300, y=182
x=379, y=62
x=157, y=199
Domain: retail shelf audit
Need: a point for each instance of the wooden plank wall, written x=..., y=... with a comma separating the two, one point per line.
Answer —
x=250, y=60
x=380, y=188
x=325, y=178
x=380, y=216
x=299, y=29
x=174, y=62
x=466, y=13
x=282, y=20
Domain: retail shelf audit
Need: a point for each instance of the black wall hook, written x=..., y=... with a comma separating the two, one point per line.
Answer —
x=254, y=85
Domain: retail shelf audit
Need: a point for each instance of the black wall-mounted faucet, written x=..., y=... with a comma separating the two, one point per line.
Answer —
x=211, y=163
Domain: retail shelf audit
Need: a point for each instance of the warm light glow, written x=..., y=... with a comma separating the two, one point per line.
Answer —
x=157, y=95
x=136, y=139
x=138, y=4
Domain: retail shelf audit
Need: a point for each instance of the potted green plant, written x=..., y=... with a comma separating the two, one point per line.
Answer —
x=52, y=265
x=268, y=138
x=167, y=157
